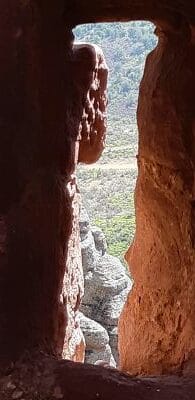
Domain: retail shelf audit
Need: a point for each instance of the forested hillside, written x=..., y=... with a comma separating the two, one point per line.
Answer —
x=107, y=187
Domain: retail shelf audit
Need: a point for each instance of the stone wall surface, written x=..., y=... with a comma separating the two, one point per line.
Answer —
x=158, y=319
x=168, y=12
x=45, y=115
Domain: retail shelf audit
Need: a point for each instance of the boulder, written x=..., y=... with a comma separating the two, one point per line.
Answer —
x=99, y=239
x=107, y=285
x=96, y=337
x=97, y=342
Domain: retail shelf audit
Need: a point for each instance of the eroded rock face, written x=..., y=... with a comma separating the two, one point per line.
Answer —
x=91, y=73
x=169, y=12
x=74, y=344
x=106, y=284
x=157, y=331
x=97, y=342
x=49, y=106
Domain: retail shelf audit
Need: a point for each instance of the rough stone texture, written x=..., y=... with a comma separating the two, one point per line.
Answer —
x=96, y=336
x=157, y=327
x=99, y=239
x=35, y=205
x=97, y=342
x=41, y=378
x=113, y=336
x=41, y=282
x=106, y=281
x=166, y=12
x=91, y=74
x=73, y=288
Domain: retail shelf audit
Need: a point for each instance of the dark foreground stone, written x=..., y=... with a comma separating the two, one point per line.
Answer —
x=41, y=378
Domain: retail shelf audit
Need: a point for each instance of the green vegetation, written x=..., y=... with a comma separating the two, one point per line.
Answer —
x=119, y=228
x=107, y=187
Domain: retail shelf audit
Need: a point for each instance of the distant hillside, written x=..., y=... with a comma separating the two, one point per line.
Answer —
x=107, y=187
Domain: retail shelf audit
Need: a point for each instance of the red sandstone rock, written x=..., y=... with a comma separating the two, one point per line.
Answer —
x=73, y=285
x=157, y=330
x=91, y=73
x=40, y=286
x=168, y=11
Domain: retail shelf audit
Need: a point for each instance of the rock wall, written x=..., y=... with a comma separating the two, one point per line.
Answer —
x=157, y=330
x=43, y=110
x=106, y=288
x=169, y=12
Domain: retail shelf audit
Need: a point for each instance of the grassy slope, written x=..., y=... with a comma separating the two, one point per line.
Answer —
x=107, y=187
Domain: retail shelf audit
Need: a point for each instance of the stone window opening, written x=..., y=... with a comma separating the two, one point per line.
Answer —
x=41, y=281
x=107, y=187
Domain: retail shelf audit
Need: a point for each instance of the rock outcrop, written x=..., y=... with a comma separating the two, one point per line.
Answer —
x=157, y=327
x=91, y=74
x=106, y=282
x=41, y=258
x=96, y=341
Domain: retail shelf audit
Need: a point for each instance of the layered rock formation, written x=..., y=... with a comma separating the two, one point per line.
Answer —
x=106, y=288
